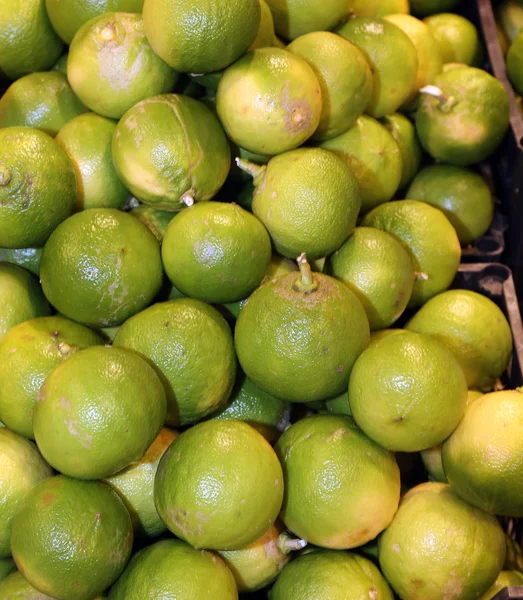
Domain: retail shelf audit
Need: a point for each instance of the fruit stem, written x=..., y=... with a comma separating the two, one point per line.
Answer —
x=254, y=170
x=306, y=283
x=187, y=198
x=446, y=103
x=288, y=544
x=5, y=175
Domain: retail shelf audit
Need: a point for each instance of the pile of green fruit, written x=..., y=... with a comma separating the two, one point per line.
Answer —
x=228, y=233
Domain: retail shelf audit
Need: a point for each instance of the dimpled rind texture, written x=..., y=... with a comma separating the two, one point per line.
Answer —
x=15, y=586
x=404, y=134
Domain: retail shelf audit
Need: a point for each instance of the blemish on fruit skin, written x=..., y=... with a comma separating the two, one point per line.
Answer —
x=396, y=547
x=340, y=369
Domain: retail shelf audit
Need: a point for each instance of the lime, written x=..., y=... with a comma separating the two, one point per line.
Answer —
x=269, y=101
x=216, y=252
x=111, y=65
x=378, y=269
x=265, y=36
x=28, y=353
x=510, y=17
x=156, y=221
x=404, y=134
x=341, y=489
x=483, y=458
x=170, y=150
x=515, y=63
x=505, y=579
x=331, y=575
x=308, y=199
x=339, y=405
x=67, y=16
x=135, y=486
x=423, y=8
x=293, y=18
x=392, y=57
x=21, y=297
x=462, y=195
x=98, y=411
x=378, y=8
x=61, y=64
x=345, y=79
x=514, y=558
x=373, y=156
x=407, y=392
x=27, y=258
x=190, y=345
x=283, y=361
x=267, y=414
x=27, y=40
x=422, y=557
x=71, y=539
x=219, y=485
x=457, y=38
x=201, y=36
x=174, y=569
x=430, y=239
x=15, y=586
x=258, y=564
x=473, y=328
x=21, y=468
x=7, y=565
x=110, y=271
x=87, y=141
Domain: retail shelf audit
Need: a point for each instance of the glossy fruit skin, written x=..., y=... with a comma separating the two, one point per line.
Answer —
x=201, y=36
x=156, y=221
x=38, y=190
x=21, y=468
x=173, y=569
x=27, y=258
x=216, y=252
x=275, y=354
x=308, y=199
x=28, y=354
x=465, y=564
x=203, y=478
x=98, y=412
x=298, y=17
x=360, y=487
x=458, y=39
x=463, y=320
x=15, y=586
x=71, y=539
x=120, y=270
x=170, y=145
x=404, y=134
x=196, y=360
x=269, y=101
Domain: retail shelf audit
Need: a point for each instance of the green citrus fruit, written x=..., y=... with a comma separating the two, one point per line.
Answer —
x=483, y=458
x=41, y=100
x=98, y=411
x=21, y=468
x=422, y=557
x=191, y=346
x=293, y=18
x=111, y=65
x=457, y=38
x=28, y=353
x=515, y=64
x=374, y=157
x=37, y=187
x=267, y=414
x=135, y=486
x=71, y=539
x=279, y=358
x=505, y=579
x=61, y=64
x=392, y=57
x=422, y=8
x=269, y=101
x=100, y=267
x=407, y=392
x=258, y=564
x=378, y=269
x=345, y=79
x=27, y=40
x=514, y=558
x=87, y=141
x=201, y=36
x=339, y=405
x=430, y=239
x=168, y=130
x=21, y=297
x=308, y=199
x=473, y=328
x=237, y=174
x=265, y=36
x=461, y=194
x=7, y=566
x=67, y=16
x=156, y=221
x=341, y=488
x=510, y=17
x=404, y=134
x=217, y=252
x=331, y=575
x=27, y=258
x=467, y=118
x=378, y=8
x=15, y=586
x=219, y=485
x=175, y=570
